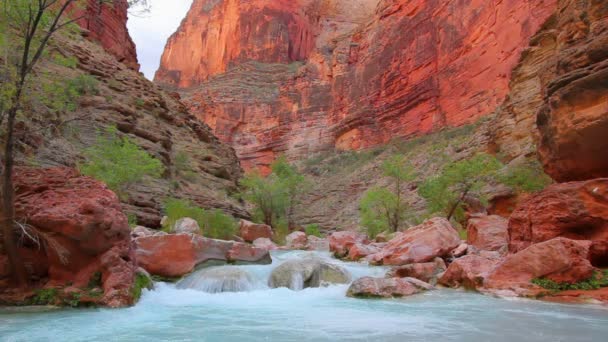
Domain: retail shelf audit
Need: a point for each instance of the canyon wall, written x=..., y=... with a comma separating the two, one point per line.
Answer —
x=343, y=74
x=106, y=22
x=558, y=103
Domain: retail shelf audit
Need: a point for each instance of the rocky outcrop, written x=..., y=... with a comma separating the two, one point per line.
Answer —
x=558, y=95
x=433, y=238
x=174, y=255
x=337, y=73
x=559, y=259
x=106, y=23
x=250, y=231
x=488, y=232
x=197, y=167
x=369, y=287
x=77, y=234
x=576, y=210
x=468, y=272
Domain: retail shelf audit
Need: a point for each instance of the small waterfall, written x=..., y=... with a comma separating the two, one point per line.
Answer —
x=219, y=279
x=297, y=282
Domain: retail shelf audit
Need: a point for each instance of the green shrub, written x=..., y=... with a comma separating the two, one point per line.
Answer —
x=313, y=230
x=268, y=195
x=281, y=230
x=218, y=225
x=176, y=209
x=45, y=297
x=141, y=282
x=119, y=162
x=526, y=177
x=598, y=280
x=214, y=223
x=132, y=219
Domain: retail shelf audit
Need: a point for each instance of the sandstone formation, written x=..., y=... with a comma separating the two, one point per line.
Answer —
x=250, y=231
x=337, y=73
x=488, y=232
x=433, y=238
x=559, y=259
x=106, y=23
x=174, y=255
x=576, y=210
x=368, y=287
x=558, y=95
x=76, y=233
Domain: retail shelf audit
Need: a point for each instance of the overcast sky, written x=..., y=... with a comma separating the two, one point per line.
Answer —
x=150, y=31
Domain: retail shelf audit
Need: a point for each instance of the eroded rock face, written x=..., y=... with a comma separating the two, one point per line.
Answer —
x=576, y=210
x=107, y=24
x=369, y=287
x=558, y=95
x=488, y=232
x=433, y=238
x=250, y=231
x=559, y=259
x=81, y=223
x=350, y=79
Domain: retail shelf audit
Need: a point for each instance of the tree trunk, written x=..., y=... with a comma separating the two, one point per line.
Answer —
x=455, y=206
x=8, y=205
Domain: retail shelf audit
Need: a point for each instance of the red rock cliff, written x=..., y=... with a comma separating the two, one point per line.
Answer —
x=107, y=24
x=304, y=76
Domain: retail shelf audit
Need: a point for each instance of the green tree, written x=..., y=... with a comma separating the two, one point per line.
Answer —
x=293, y=183
x=446, y=193
x=119, y=162
x=384, y=209
x=528, y=176
x=267, y=194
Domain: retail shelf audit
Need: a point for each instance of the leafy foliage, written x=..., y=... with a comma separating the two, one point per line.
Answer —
x=141, y=282
x=598, y=280
x=119, y=162
x=446, y=192
x=526, y=177
x=384, y=210
x=313, y=230
x=276, y=195
x=214, y=223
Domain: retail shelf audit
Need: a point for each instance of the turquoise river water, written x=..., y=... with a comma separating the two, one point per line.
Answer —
x=183, y=312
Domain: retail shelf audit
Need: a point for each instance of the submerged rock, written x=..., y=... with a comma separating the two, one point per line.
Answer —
x=307, y=272
x=369, y=287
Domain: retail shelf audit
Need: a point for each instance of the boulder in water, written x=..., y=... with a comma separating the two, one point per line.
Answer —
x=265, y=244
x=341, y=242
x=369, y=287
x=296, y=240
x=219, y=279
x=308, y=272
x=468, y=272
x=427, y=271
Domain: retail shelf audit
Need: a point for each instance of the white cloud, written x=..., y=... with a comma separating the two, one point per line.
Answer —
x=150, y=31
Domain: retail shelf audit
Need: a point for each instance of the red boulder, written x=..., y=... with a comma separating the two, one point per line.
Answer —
x=250, y=231
x=488, y=233
x=341, y=242
x=469, y=272
x=83, y=230
x=433, y=238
